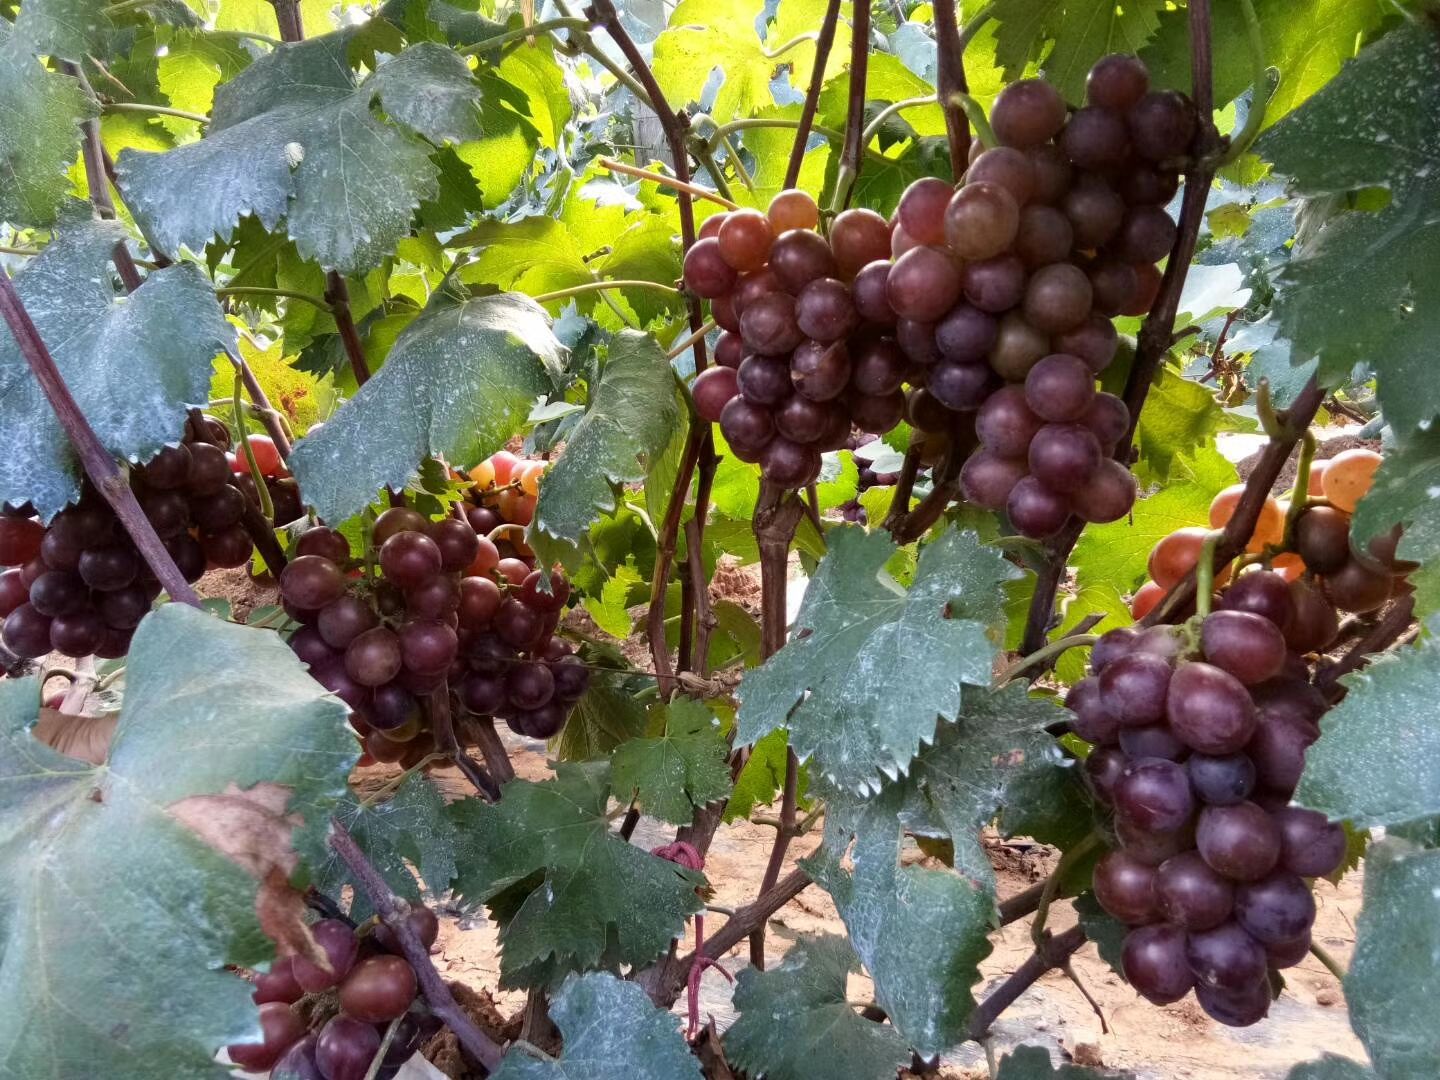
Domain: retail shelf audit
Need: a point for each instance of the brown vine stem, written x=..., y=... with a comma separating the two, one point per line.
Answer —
x=287, y=17
x=945, y=482
x=665, y=556
x=442, y=723
x=393, y=911
x=1157, y=333
x=823, y=44
x=482, y=728
x=853, y=150
x=904, y=484
x=1386, y=631
x=1054, y=952
x=94, y=458
x=337, y=294
x=950, y=81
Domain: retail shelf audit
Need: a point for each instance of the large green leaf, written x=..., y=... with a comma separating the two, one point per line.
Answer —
x=612, y=1031
x=458, y=382
x=796, y=1023
x=40, y=134
x=133, y=363
x=116, y=919
x=65, y=29
x=1353, y=293
x=1378, y=758
x=674, y=774
x=1033, y=1063
x=292, y=136
x=591, y=898
x=836, y=686
x=603, y=719
x=1394, y=981
x=1082, y=30
x=631, y=413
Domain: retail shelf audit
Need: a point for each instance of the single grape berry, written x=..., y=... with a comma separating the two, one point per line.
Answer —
x=337, y=940
x=1154, y=961
x=1125, y=888
x=409, y=559
x=378, y=989
x=982, y=220
x=706, y=272
x=1027, y=113
x=712, y=390
x=923, y=284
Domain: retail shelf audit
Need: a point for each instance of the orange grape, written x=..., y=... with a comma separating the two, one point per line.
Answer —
x=1289, y=566
x=487, y=556
x=1175, y=555
x=1316, y=487
x=793, y=209
x=1269, y=526
x=517, y=507
x=529, y=476
x=1348, y=477
x=1145, y=599
x=483, y=475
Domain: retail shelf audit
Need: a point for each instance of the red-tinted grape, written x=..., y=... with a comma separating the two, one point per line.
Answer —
x=1043, y=236
x=1221, y=781
x=1027, y=113
x=1134, y=687
x=995, y=284
x=1276, y=909
x=923, y=284
x=789, y=464
x=344, y=619
x=1036, y=510
x=1064, y=456
x=1225, y=957
x=1117, y=81
x=1146, y=235
x=378, y=989
x=712, y=390
x=982, y=220
x=1190, y=894
x=1239, y=841
x=1005, y=423
x=337, y=940
x=1125, y=888
x=870, y=292
x=706, y=272
x=1154, y=961
x=798, y=257
x=1094, y=341
x=1006, y=167
x=373, y=657
x=346, y=1047
x=311, y=582
x=987, y=479
x=921, y=210
x=1094, y=210
x=858, y=237
x=744, y=239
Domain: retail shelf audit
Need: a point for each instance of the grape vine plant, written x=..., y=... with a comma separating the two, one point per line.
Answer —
x=461, y=458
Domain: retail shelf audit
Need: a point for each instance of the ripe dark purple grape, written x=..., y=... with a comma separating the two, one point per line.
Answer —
x=1249, y=647
x=1239, y=1008
x=729, y=349
x=1018, y=347
x=1094, y=210
x=373, y=658
x=1036, y=510
x=858, y=237
x=1142, y=185
x=1108, y=495
x=923, y=284
x=378, y=989
x=344, y=619
x=820, y=372
x=571, y=676
x=189, y=556
x=1154, y=961
x=1027, y=113
x=1117, y=81
x=1154, y=794
x=1102, y=770
x=1112, y=285
x=1277, y=909
x=799, y=257
x=921, y=209
x=1006, y=167
x=763, y=380
x=77, y=633
x=1059, y=388
x=337, y=940
x=1310, y=845
x=1210, y=709
x=1152, y=741
x=168, y=469
x=1005, y=424
x=1225, y=957
x=517, y=624
x=409, y=559
x=392, y=707
x=1053, y=173
x=457, y=542
x=1161, y=123
x=480, y=598
x=1112, y=645
x=427, y=646
x=712, y=390
x=1263, y=593
x=433, y=599
x=995, y=284
x=1356, y=587
x=987, y=479
x=209, y=471
x=27, y=632
x=707, y=274
x=1190, y=894
x=484, y=693
x=961, y=387
x=543, y=723
x=966, y=334
x=917, y=341
x=825, y=311
x=310, y=582
x=1095, y=138
x=1043, y=236
x=1322, y=539
x=746, y=427
x=1314, y=624
x=227, y=548
x=1094, y=341
x=167, y=511
x=877, y=367
x=768, y=325
x=346, y=1046
x=1221, y=781
x=1125, y=888
x=870, y=292
x=1057, y=298
x=1064, y=456
x=1091, y=720
x=324, y=542
x=58, y=592
x=1134, y=688
x=1107, y=418
x=529, y=685
x=1153, y=848
x=877, y=414
x=218, y=511
x=801, y=420
x=1239, y=841
x=278, y=984
x=981, y=221
x=1146, y=235
x=789, y=464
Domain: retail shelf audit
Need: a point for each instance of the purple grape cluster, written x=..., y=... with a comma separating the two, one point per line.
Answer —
x=1198, y=750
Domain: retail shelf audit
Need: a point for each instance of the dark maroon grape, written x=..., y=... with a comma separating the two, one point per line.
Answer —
x=480, y=598
x=427, y=646
x=1246, y=645
x=346, y=1046
x=768, y=324
x=457, y=542
x=917, y=341
x=1209, y=709
x=707, y=273
x=857, y=238
x=1276, y=909
x=337, y=940
x=324, y=542
x=433, y=599
x=1314, y=624
x=167, y=511
x=1221, y=781
x=1036, y=510
x=1134, y=688
x=379, y=989
x=1094, y=341
x=877, y=367
x=1154, y=848
x=124, y=608
x=1053, y=173
x=1289, y=954
x=1060, y=388
x=746, y=427
x=995, y=284
x=1262, y=592
x=1091, y=720
x=981, y=221
x=484, y=693
x=799, y=257
x=820, y=372
x=209, y=471
x=1278, y=750
x=422, y=922
x=1095, y=138
x=1064, y=456
x=1190, y=894
x=1117, y=81
x=1125, y=888
x=189, y=556
x=1148, y=280
x=923, y=284
x=1239, y=1008
x=824, y=310
x=1005, y=167
x=218, y=511
x=227, y=548
x=1018, y=347
x=517, y=624
x=730, y=348
x=1161, y=123
x=1310, y=845
x=877, y=414
x=396, y=520
x=344, y=619
x=1154, y=961
x=168, y=469
x=987, y=479
x=1106, y=417
x=285, y=499
x=1112, y=286
x=278, y=984
x=544, y=722
x=965, y=334
x=1094, y=210
x=298, y=1063
x=1102, y=770
x=1027, y=113
x=1108, y=495
x=27, y=632
x=409, y=559
x=961, y=387
x=13, y=592
x=789, y=464
x=712, y=390
x=745, y=237
x=1005, y=423
x=1057, y=298
x=1141, y=185
x=1112, y=645
x=764, y=380
x=57, y=592
x=1146, y=235
x=391, y=707
x=77, y=633
x=311, y=582
x=1225, y=957
x=1154, y=794
x=801, y=420
x=1322, y=539
x=373, y=658
x=1152, y=740
x=529, y=685
x=571, y=676
x=1240, y=841
x=534, y=592
x=482, y=519
x=1043, y=236
x=870, y=293
x=1356, y=587
x=750, y=287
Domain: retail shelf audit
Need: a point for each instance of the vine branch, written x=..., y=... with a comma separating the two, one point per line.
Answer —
x=337, y=295
x=950, y=82
x=854, y=147
x=1053, y=952
x=823, y=44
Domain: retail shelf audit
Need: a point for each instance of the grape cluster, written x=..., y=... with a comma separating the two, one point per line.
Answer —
x=79, y=586
x=375, y=986
x=1199, y=740
x=799, y=362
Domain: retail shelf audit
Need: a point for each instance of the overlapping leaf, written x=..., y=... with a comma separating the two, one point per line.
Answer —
x=1353, y=292
x=588, y=896
x=796, y=1023
x=458, y=382
x=132, y=366
x=849, y=706
x=679, y=771
x=631, y=414
x=294, y=137
x=116, y=918
x=612, y=1031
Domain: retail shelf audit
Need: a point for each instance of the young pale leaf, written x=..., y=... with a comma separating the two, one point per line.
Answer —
x=1394, y=981
x=678, y=772
x=629, y=419
x=836, y=686
x=1405, y=493
x=458, y=382
x=40, y=136
x=1374, y=125
x=601, y=899
x=293, y=136
x=1083, y=31
x=113, y=908
x=796, y=1024
x=1033, y=1063
x=1378, y=758
x=920, y=933
x=132, y=365
x=612, y=1031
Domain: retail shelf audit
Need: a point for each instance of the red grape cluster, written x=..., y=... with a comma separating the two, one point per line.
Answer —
x=797, y=365
x=375, y=985
x=1199, y=750
x=80, y=587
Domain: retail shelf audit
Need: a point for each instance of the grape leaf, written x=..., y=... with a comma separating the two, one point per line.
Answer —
x=795, y=1022
x=835, y=685
x=612, y=1031
x=1106, y=931
x=600, y=900
x=1374, y=762
x=292, y=136
x=1393, y=980
x=705, y=34
x=681, y=770
x=458, y=382
x=1180, y=417
x=1033, y=1063
x=40, y=135
x=611, y=608
x=760, y=778
x=1083, y=31
x=1330, y=1068
x=117, y=918
x=1406, y=491
x=603, y=719
x=131, y=362
x=534, y=255
x=1373, y=125
x=408, y=829
x=64, y=29
x=631, y=413
x=920, y=933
